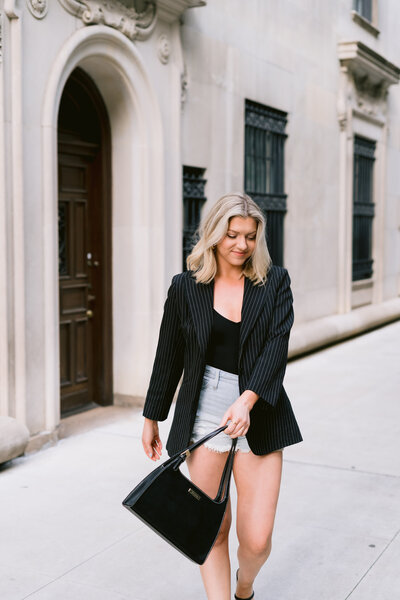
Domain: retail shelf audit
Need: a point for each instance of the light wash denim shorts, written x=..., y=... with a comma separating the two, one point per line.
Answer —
x=219, y=389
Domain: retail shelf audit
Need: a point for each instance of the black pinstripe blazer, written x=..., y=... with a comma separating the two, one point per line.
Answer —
x=267, y=317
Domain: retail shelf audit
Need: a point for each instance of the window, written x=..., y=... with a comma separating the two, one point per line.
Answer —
x=264, y=169
x=363, y=8
x=363, y=207
x=193, y=200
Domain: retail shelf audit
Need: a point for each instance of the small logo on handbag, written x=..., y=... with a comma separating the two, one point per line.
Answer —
x=194, y=494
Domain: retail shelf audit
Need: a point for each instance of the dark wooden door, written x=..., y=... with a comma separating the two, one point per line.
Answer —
x=84, y=248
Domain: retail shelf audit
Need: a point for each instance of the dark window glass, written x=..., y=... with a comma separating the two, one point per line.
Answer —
x=62, y=238
x=363, y=8
x=193, y=200
x=363, y=208
x=264, y=169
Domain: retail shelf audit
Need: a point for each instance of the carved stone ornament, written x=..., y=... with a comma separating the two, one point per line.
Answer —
x=38, y=8
x=365, y=79
x=135, y=25
x=184, y=85
x=164, y=48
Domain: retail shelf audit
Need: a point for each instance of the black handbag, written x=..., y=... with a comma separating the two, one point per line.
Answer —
x=178, y=510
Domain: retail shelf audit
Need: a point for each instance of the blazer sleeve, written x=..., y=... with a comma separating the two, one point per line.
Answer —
x=168, y=362
x=267, y=376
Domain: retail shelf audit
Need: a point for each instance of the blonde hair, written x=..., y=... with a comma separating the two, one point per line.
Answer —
x=213, y=229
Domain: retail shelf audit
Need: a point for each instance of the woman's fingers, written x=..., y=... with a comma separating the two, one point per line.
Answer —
x=151, y=439
x=151, y=444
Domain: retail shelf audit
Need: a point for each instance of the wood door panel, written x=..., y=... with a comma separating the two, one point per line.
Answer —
x=82, y=329
x=75, y=340
x=72, y=178
x=65, y=353
x=73, y=299
x=80, y=245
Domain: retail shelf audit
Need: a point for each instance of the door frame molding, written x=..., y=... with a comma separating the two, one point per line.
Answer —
x=100, y=50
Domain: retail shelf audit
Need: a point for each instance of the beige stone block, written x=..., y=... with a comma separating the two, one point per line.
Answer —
x=14, y=437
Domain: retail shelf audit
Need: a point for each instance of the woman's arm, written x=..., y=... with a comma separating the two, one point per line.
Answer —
x=168, y=362
x=267, y=377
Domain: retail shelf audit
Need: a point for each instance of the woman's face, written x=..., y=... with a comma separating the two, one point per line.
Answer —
x=239, y=242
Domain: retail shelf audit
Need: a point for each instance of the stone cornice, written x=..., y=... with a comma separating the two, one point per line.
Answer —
x=171, y=10
x=371, y=71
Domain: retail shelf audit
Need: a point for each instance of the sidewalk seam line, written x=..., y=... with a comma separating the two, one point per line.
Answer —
x=76, y=566
x=373, y=564
x=362, y=472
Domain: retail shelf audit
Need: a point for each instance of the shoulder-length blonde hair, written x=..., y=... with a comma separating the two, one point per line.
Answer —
x=212, y=230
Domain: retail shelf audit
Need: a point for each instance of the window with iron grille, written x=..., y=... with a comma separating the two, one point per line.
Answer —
x=264, y=169
x=363, y=8
x=363, y=207
x=193, y=200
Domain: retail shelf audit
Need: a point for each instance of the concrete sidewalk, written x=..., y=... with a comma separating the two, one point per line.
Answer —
x=65, y=536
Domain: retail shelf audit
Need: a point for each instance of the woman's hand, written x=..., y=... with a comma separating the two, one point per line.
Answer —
x=239, y=414
x=151, y=440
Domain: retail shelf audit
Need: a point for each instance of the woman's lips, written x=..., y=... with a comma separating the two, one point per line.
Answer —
x=239, y=253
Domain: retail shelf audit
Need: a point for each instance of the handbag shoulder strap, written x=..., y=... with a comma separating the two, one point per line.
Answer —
x=224, y=484
x=182, y=456
x=223, y=490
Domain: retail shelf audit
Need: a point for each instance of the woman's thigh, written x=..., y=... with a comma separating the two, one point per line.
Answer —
x=257, y=480
x=205, y=468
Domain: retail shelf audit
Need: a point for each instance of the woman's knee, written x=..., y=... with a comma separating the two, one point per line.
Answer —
x=259, y=547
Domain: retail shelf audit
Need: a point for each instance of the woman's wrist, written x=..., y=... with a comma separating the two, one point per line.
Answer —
x=249, y=398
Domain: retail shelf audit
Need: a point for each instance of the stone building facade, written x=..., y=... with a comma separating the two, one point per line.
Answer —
x=120, y=120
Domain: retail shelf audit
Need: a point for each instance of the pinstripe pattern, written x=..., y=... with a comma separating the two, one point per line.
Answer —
x=267, y=317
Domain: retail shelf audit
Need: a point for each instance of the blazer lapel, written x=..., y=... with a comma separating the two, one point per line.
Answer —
x=200, y=300
x=254, y=298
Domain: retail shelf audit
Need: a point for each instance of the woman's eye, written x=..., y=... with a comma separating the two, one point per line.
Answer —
x=231, y=236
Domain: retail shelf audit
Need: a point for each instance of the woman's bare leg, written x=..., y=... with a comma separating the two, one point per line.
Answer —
x=257, y=481
x=205, y=468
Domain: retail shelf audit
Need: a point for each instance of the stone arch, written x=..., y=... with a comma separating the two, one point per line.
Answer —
x=116, y=67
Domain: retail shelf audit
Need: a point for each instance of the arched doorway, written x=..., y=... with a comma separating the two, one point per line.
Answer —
x=84, y=249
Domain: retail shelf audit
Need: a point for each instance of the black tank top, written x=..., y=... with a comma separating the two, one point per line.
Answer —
x=223, y=345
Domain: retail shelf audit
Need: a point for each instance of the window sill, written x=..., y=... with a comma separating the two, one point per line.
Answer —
x=362, y=284
x=364, y=23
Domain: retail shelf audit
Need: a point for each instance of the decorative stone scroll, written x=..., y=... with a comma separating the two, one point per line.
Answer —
x=38, y=8
x=135, y=25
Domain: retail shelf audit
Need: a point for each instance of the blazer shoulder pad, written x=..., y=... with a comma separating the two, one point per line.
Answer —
x=278, y=272
x=180, y=278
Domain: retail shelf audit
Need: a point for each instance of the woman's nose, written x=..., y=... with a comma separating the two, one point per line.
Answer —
x=242, y=243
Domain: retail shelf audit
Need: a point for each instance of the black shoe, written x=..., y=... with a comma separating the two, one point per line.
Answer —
x=237, y=597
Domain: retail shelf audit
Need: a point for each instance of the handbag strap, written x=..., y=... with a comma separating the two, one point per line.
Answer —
x=182, y=456
x=224, y=484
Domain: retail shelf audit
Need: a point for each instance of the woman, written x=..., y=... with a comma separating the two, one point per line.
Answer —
x=226, y=325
